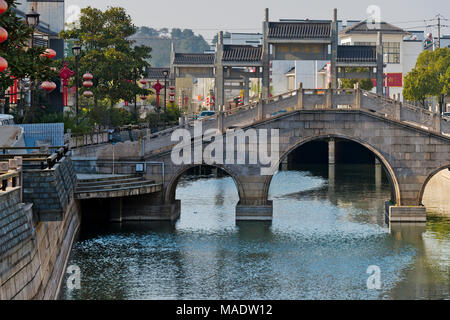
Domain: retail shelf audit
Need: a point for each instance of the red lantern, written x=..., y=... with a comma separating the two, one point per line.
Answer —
x=88, y=84
x=3, y=64
x=143, y=82
x=88, y=94
x=3, y=34
x=3, y=6
x=48, y=86
x=158, y=87
x=49, y=53
x=88, y=76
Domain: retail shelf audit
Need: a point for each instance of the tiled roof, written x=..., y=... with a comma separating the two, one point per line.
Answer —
x=194, y=58
x=240, y=53
x=300, y=30
x=357, y=54
x=363, y=27
x=156, y=73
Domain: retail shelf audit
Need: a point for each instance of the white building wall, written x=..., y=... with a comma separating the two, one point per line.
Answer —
x=52, y=13
x=279, y=79
x=409, y=52
x=306, y=72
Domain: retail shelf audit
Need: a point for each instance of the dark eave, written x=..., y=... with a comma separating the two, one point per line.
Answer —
x=300, y=30
x=357, y=54
x=240, y=53
x=194, y=59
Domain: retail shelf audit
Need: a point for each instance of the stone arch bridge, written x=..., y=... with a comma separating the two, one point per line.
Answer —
x=412, y=143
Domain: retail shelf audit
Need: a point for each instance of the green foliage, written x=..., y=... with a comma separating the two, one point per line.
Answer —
x=169, y=117
x=160, y=41
x=23, y=62
x=365, y=84
x=109, y=53
x=216, y=37
x=430, y=77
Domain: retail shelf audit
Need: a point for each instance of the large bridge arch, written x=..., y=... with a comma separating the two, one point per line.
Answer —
x=392, y=176
x=170, y=190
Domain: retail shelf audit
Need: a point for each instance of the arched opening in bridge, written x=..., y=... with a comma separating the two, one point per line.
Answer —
x=354, y=179
x=435, y=192
x=322, y=150
x=208, y=194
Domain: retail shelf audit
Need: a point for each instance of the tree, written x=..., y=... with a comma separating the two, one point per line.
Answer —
x=23, y=62
x=160, y=41
x=109, y=53
x=216, y=37
x=365, y=84
x=430, y=77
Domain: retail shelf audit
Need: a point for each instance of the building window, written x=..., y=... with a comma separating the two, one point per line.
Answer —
x=391, y=50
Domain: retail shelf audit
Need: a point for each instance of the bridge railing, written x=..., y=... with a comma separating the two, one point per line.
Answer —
x=11, y=174
x=39, y=155
x=405, y=112
x=102, y=136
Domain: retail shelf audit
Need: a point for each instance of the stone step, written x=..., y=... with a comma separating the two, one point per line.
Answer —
x=107, y=187
x=108, y=182
x=108, y=178
x=118, y=188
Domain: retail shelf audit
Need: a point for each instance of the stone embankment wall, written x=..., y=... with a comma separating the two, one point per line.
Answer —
x=33, y=253
x=437, y=194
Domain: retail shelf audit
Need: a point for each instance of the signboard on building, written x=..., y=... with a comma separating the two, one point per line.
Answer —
x=394, y=80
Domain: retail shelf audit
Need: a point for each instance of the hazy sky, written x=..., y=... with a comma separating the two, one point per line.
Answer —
x=210, y=16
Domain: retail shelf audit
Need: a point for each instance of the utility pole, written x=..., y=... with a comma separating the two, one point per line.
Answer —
x=439, y=31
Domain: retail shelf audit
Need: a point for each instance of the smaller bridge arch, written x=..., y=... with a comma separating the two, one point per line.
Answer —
x=428, y=179
x=170, y=189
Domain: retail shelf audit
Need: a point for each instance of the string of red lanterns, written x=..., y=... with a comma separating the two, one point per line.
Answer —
x=171, y=94
x=3, y=35
x=87, y=83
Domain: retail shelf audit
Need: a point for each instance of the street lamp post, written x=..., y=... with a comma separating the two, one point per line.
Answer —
x=32, y=19
x=76, y=52
x=165, y=74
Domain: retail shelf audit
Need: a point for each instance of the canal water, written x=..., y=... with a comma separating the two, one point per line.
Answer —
x=325, y=235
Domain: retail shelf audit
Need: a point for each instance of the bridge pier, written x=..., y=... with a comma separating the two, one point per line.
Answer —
x=406, y=214
x=332, y=151
x=378, y=174
x=254, y=212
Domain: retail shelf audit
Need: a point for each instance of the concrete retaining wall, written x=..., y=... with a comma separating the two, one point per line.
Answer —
x=33, y=254
x=50, y=191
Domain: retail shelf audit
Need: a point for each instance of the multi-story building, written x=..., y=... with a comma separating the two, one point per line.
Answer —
x=51, y=22
x=401, y=50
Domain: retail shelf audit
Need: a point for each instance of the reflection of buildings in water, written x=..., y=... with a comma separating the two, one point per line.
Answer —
x=428, y=276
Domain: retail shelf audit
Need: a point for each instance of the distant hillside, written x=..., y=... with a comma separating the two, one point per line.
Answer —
x=160, y=41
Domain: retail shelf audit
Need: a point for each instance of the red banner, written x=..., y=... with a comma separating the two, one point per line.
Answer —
x=393, y=80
